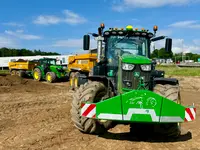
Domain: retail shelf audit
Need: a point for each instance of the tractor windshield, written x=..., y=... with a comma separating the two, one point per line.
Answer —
x=121, y=45
x=52, y=62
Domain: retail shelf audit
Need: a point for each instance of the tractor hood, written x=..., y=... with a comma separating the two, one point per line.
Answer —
x=56, y=68
x=135, y=59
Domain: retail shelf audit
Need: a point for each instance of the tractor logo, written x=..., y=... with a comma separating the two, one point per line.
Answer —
x=136, y=74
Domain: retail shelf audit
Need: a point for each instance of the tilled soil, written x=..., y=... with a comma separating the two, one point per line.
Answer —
x=36, y=115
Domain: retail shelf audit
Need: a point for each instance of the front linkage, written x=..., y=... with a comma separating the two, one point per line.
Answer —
x=139, y=106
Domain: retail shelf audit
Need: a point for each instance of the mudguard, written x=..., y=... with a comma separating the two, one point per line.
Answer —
x=139, y=106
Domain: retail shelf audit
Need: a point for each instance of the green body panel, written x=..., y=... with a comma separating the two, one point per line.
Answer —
x=140, y=106
x=135, y=59
x=110, y=107
x=53, y=68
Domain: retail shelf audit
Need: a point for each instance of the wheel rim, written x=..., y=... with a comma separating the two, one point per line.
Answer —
x=12, y=72
x=71, y=82
x=36, y=75
x=48, y=77
x=17, y=73
x=76, y=82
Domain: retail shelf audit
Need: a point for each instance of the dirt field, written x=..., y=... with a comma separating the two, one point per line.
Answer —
x=37, y=116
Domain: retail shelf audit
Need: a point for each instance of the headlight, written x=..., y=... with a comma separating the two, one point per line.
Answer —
x=128, y=66
x=145, y=67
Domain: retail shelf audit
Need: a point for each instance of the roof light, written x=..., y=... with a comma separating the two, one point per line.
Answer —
x=136, y=29
x=102, y=25
x=155, y=28
x=115, y=28
x=129, y=28
x=143, y=29
x=122, y=28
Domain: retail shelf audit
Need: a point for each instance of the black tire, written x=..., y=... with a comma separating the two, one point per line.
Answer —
x=171, y=92
x=91, y=91
x=71, y=80
x=37, y=71
x=50, y=77
x=20, y=73
x=145, y=130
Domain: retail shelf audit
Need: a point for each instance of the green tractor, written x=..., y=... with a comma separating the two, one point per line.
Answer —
x=48, y=70
x=125, y=88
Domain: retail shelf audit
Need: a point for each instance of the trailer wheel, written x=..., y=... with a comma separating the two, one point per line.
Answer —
x=89, y=92
x=171, y=92
x=50, y=77
x=20, y=73
x=13, y=72
x=37, y=75
x=76, y=80
x=71, y=80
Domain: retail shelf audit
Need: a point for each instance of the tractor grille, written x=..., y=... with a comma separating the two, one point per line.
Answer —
x=129, y=76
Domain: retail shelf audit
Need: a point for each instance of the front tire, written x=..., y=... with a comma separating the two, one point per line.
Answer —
x=144, y=130
x=89, y=92
x=171, y=92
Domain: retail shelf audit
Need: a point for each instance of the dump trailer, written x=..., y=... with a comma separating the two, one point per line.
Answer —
x=79, y=67
x=22, y=67
x=125, y=88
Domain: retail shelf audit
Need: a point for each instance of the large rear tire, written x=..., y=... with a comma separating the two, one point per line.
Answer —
x=50, y=77
x=89, y=92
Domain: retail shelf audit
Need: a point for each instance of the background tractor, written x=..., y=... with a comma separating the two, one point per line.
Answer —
x=48, y=70
x=79, y=67
x=125, y=88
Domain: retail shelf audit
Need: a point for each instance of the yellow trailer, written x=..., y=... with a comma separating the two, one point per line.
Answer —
x=20, y=68
x=79, y=67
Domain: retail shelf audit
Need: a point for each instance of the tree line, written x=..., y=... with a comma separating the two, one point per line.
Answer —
x=8, y=52
x=162, y=54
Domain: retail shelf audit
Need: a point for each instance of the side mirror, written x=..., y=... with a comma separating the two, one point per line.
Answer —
x=86, y=42
x=168, y=45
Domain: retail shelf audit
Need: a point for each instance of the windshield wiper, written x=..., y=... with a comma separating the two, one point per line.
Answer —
x=114, y=44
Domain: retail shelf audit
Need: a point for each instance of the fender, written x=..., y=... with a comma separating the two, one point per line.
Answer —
x=172, y=81
x=108, y=82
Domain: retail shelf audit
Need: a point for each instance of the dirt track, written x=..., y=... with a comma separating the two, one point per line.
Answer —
x=37, y=116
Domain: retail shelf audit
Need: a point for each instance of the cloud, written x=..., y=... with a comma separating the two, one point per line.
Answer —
x=196, y=41
x=46, y=20
x=20, y=34
x=7, y=42
x=69, y=18
x=179, y=46
x=186, y=24
x=73, y=18
x=166, y=32
x=73, y=43
x=123, y=5
x=14, y=24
